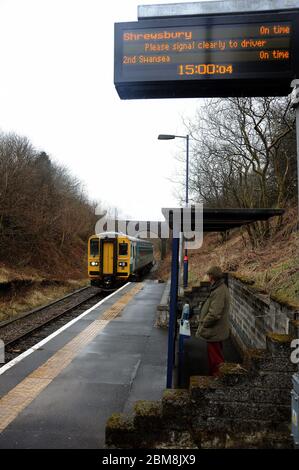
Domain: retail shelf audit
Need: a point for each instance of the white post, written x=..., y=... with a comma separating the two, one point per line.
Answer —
x=297, y=132
x=295, y=104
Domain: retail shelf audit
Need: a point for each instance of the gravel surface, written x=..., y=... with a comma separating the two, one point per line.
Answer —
x=53, y=314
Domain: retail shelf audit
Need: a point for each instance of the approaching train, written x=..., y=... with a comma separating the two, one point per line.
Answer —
x=114, y=257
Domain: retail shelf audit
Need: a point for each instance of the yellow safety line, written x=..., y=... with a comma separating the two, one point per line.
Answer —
x=17, y=399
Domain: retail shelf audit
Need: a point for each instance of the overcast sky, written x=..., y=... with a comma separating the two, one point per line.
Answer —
x=56, y=88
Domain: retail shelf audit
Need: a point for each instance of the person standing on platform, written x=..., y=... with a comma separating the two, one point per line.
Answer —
x=214, y=319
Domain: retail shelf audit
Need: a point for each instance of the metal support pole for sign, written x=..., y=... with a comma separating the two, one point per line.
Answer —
x=295, y=104
x=295, y=391
x=172, y=308
x=187, y=170
x=297, y=131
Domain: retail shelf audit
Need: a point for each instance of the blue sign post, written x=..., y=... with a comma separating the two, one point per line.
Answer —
x=173, y=308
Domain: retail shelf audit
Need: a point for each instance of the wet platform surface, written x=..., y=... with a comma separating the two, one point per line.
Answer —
x=101, y=364
x=124, y=362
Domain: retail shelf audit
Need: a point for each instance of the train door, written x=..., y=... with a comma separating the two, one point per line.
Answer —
x=108, y=258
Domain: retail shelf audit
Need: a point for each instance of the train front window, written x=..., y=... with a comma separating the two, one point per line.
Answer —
x=123, y=249
x=94, y=247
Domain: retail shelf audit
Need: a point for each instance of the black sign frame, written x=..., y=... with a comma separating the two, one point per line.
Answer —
x=264, y=85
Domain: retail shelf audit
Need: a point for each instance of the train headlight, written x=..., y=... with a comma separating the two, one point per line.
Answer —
x=94, y=263
x=122, y=264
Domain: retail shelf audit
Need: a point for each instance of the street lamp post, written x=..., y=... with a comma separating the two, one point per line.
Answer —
x=185, y=278
x=170, y=137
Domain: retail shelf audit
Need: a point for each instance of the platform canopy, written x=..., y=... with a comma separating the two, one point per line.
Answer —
x=220, y=220
x=214, y=220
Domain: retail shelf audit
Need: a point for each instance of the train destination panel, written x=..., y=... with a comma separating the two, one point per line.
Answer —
x=251, y=55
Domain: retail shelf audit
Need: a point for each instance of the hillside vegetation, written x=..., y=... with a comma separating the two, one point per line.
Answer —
x=242, y=154
x=45, y=217
x=45, y=221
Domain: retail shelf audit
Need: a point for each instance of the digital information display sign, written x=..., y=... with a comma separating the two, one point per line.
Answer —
x=232, y=55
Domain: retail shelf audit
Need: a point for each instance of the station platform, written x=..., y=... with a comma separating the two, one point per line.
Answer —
x=62, y=393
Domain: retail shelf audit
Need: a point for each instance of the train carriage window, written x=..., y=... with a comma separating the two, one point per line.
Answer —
x=123, y=249
x=94, y=247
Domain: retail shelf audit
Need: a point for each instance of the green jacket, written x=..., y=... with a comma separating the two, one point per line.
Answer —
x=214, y=314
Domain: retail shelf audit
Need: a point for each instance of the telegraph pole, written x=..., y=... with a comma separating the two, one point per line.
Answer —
x=295, y=391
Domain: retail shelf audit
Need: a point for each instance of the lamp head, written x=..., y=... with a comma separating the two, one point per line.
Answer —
x=166, y=137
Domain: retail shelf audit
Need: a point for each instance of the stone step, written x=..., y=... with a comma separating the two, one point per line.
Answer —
x=176, y=403
x=176, y=439
x=120, y=432
x=147, y=416
x=244, y=440
x=262, y=360
x=231, y=374
x=200, y=386
x=277, y=380
x=279, y=344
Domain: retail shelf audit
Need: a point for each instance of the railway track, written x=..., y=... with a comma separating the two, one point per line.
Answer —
x=21, y=333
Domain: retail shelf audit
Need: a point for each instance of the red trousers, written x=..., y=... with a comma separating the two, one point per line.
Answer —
x=215, y=356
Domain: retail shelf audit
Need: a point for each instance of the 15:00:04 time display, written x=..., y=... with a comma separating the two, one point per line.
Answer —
x=205, y=69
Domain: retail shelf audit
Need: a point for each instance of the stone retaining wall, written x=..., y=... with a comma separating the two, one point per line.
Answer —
x=252, y=316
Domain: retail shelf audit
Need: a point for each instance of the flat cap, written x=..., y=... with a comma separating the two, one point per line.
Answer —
x=215, y=271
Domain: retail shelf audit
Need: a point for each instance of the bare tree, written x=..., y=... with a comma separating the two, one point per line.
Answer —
x=44, y=212
x=244, y=154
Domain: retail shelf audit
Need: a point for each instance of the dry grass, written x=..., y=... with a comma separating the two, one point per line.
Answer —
x=9, y=274
x=27, y=298
x=24, y=288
